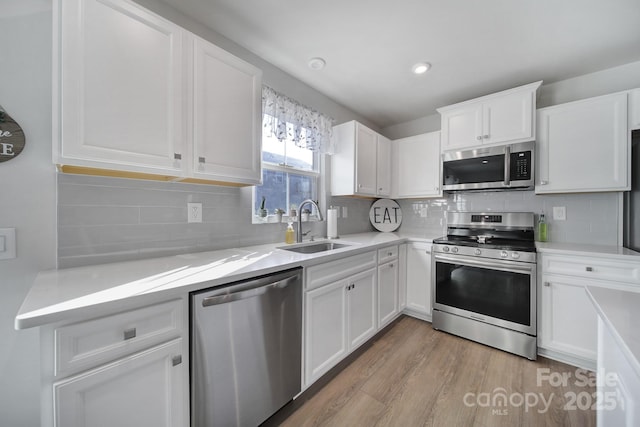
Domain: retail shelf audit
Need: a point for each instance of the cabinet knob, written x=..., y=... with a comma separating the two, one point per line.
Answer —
x=129, y=333
x=389, y=253
x=485, y=136
x=479, y=137
x=589, y=268
x=543, y=182
x=201, y=159
x=359, y=185
x=391, y=265
x=380, y=189
x=177, y=156
x=176, y=360
x=547, y=284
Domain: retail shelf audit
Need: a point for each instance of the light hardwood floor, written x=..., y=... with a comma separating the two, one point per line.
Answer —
x=415, y=376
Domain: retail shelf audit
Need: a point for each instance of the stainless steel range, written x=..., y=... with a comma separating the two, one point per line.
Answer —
x=484, y=280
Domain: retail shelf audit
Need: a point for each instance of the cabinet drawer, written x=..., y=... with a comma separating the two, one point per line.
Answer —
x=387, y=254
x=593, y=268
x=87, y=344
x=332, y=271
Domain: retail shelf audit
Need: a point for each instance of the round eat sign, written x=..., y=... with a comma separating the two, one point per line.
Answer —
x=11, y=137
x=385, y=215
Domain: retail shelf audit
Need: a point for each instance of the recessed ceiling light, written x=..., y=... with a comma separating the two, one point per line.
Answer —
x=421, y=67
x=317, y=63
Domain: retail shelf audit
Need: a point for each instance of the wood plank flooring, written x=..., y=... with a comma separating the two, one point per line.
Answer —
x=415, y=376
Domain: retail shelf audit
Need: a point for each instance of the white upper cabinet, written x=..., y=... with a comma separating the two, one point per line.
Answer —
x=120, y=91
x=583, y=146
x=502, y=117
x=137, y=93
x=416, y=166
x=227, y=114
x=361, y=164
x=634, y=109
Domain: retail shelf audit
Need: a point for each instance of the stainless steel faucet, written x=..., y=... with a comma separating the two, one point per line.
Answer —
x=299, y=230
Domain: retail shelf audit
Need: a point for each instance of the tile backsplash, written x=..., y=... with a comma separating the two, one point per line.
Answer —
x=103, y=219
x=591, y=218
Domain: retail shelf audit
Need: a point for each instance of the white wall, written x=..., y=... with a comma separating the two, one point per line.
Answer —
x=27, y=198
x=599, y=83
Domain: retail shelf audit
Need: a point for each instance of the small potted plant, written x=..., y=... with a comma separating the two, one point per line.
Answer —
x=262, y=212
x=279, y=213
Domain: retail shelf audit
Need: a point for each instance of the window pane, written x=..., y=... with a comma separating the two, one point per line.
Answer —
x=274, y=190
x=301, y=187
x=300, y=158
x=273, y=151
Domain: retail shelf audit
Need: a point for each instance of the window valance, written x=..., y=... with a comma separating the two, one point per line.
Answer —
x=286, y=118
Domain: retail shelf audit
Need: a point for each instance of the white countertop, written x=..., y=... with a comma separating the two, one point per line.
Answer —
x=606, y=251
x=95, y=290
x=620, y=311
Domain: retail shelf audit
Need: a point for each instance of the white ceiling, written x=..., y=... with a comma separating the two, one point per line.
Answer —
x=476, y=46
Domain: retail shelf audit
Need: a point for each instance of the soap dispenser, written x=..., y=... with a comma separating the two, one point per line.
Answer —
x=542, y=228
x=289, y=234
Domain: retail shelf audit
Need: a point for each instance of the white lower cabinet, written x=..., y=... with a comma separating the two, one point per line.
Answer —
x=144, y=389
x=567, y=319
x=388, y=285
x=124, y=369
x=418, y=280
x=340, y=306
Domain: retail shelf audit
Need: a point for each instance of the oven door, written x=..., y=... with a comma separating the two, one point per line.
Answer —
x=498, y=292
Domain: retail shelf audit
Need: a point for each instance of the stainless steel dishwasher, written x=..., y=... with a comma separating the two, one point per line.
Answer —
x=246, y=349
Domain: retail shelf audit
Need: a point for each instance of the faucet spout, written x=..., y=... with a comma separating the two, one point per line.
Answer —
x=299, y=230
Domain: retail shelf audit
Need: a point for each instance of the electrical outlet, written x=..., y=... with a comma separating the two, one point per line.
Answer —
x=194, y=212
x=423, y=212
x=7, y=243
x=559, y=213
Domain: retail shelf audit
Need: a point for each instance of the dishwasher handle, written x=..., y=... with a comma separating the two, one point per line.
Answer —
x=251, y=288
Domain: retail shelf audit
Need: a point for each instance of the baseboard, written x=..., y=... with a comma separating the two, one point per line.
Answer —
x=577, y=361
x=417, y=314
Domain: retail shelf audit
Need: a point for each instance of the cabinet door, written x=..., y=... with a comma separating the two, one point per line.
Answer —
x=387, y=292
x=120, y=91
x=145, y=389
x=568, y=320
x=417, y=166
x=227, y=116
x=325, y=329
x=462, y=127
x=583, y=146
x=634, y=109
x=383, y=161
x=361, y=307
x=366, y=162
x=508, y=118
x=419, y=278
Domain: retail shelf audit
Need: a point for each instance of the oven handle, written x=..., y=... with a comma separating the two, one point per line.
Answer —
x=494, y=264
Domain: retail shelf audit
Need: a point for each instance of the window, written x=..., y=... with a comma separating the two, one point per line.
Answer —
x=290, y=175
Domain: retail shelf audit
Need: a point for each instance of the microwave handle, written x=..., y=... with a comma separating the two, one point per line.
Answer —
x=507, y=166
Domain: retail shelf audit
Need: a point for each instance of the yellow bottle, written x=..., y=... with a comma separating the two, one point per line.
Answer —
x=290, y=234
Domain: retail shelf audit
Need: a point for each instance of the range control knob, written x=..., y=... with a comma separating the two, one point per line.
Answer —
x=515, y=255
x=454, y=249
x=477, y=252
x=504, y=254
x=445, y=249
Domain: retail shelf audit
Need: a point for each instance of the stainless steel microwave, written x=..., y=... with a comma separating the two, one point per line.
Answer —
x=489, y=168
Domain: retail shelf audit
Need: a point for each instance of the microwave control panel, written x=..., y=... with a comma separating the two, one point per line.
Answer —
x=521, y=166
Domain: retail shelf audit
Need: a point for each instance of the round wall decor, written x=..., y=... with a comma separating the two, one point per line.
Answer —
x=385, y=215
x=11, y=137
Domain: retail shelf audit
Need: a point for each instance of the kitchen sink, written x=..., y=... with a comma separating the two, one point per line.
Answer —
x=313, y=248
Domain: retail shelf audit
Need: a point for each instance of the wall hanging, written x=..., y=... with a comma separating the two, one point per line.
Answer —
x=11, y=137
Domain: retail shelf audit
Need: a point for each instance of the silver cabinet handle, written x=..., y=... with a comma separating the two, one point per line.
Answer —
x=177, y=156
x=589, y=268
x=176, y=360
x=201, y=159
x=547, y=284
x=485, y=136
x=129, y=333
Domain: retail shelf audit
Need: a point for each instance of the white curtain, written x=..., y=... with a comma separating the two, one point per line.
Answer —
x=288, y=119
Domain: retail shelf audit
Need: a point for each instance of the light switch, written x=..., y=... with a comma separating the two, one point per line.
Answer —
x=7, y=243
